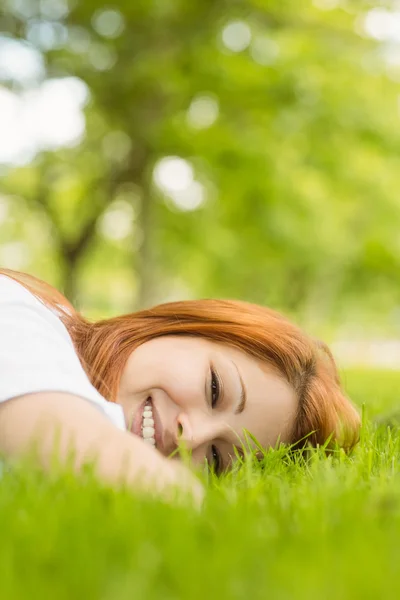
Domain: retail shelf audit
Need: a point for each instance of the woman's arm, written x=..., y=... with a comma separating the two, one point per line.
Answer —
x=50, y=421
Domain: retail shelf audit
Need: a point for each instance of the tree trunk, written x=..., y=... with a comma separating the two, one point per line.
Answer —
x=145, y=255
x=70, y=280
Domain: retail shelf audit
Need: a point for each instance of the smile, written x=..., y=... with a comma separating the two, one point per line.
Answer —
x=148, y=430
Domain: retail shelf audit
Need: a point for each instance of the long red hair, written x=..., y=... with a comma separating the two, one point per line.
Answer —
x=324, y=412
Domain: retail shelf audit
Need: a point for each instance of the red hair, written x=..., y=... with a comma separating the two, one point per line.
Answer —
x=324, y=412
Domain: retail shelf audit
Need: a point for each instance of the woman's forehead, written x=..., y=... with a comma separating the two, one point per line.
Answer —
x=271, y=409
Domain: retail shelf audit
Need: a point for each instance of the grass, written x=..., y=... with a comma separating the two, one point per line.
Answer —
x=326, y=530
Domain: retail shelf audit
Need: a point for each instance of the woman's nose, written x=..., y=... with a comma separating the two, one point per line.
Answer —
x=193, y=431
x=184, y=433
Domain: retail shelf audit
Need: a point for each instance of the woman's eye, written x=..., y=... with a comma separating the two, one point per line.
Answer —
x=216, y=463
x=215, y=389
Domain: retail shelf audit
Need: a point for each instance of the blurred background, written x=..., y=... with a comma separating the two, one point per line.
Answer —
x=154, y=150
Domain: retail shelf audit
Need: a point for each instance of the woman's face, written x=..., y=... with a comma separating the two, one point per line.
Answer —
x=204, y=394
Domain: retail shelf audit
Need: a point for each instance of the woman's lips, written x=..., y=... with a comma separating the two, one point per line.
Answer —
x=136, y=426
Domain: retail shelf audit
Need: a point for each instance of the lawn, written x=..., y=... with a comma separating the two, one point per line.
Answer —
x=329, y=529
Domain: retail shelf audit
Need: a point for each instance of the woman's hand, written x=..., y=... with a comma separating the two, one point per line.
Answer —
x=76, y=429
x=167, y=478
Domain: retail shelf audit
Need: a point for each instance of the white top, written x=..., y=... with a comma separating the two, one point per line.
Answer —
x=37, y=353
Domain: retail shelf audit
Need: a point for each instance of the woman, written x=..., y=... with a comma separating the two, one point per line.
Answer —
x=195, y=372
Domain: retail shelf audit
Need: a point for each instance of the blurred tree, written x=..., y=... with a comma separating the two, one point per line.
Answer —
x=253, y=144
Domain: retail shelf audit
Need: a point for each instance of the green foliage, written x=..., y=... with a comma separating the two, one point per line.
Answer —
x=326, y=529
x=298, y=165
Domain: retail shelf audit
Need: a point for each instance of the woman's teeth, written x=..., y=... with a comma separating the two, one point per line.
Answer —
x=148, y=430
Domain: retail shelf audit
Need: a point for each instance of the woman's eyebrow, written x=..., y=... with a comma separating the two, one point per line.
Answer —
x=243, y=393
